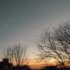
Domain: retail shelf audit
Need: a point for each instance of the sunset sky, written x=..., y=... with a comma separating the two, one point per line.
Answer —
x=22, y=21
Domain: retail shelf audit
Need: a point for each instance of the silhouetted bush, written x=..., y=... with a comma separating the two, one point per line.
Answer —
x=5, y=65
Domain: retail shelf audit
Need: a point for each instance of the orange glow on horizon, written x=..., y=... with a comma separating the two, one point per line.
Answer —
x=35, y=62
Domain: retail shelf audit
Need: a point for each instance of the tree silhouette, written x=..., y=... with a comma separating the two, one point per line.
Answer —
x=56, y=44
x=17, y=53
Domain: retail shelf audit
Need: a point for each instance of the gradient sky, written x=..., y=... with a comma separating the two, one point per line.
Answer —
x=22, y=21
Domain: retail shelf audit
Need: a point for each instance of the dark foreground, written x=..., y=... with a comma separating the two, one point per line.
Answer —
x=5, y=65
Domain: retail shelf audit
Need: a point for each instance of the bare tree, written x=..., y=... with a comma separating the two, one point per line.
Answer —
x=17, y=53
x=56, y=44
x=8, y=53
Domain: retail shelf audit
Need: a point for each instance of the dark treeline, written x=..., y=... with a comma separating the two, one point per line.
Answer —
x=55, y=68
x=5, y=65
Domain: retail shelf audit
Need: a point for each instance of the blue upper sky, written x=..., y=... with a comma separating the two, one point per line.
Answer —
x=24, y=20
